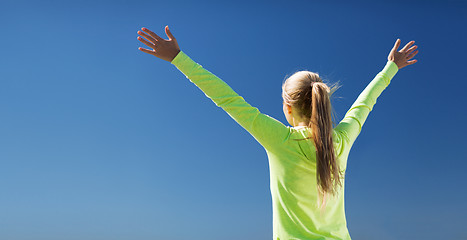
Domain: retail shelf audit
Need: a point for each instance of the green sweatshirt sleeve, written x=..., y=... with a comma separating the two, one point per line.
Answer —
x=351, y=125
x=269, y=132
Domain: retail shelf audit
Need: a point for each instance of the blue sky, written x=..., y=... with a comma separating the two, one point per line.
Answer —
x=99, y=140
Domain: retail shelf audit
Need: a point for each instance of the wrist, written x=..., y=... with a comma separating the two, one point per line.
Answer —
x=174, y=55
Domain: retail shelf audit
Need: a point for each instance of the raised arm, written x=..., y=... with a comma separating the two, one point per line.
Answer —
x=351, y=125
x=269, y=132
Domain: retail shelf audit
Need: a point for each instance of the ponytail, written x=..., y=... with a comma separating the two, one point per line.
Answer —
x=328, y=170
x=307, y=92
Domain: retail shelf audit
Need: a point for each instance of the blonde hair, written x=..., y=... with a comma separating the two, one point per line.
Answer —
x=306, y=92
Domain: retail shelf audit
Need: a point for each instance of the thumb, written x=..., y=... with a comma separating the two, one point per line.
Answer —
x=167, y=31
x=396, y=45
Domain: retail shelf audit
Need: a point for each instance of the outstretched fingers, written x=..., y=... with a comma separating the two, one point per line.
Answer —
x=151, y=45
x=411, y=62
x=149, y=38
x=152, y=34
x=404, y=49
x=411, y=49
x=412, y=54
x=146, y=50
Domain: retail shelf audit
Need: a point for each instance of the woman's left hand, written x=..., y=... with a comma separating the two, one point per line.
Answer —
x=164, y=49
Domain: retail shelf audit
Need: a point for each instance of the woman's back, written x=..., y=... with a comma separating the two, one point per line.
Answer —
x=295, y=200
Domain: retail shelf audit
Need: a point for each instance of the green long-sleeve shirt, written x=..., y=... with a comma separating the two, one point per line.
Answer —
x=292, y=163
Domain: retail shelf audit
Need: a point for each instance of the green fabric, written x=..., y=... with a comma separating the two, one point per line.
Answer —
x=292, y=163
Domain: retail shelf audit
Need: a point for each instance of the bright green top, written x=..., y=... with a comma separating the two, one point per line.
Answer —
x=292, y=163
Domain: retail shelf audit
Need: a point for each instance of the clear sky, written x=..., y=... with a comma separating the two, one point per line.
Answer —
x=99, y=140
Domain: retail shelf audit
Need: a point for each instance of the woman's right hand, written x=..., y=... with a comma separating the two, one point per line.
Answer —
x=401, y=58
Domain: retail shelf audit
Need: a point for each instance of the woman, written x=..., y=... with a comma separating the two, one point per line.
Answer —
x=307, y=161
